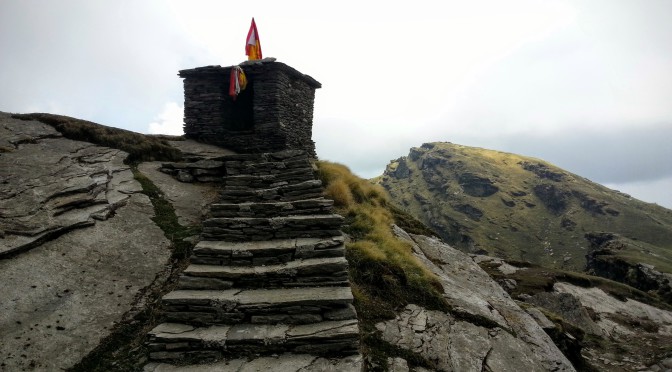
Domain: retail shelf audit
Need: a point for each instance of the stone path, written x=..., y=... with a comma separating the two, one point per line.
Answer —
x=267, y=286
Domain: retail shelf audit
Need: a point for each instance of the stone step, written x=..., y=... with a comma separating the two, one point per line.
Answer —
x=284, y=155
x=259, y=306
x=273, y=209
x=273, y=166
x=265, y=181
x=276, y=363
x=299, y=273
x=266, y=252
x=179, y=342
x=302, y=190
x=248, y=228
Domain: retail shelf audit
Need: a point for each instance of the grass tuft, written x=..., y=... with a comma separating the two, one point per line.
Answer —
x=368, y=221
x=166, y=219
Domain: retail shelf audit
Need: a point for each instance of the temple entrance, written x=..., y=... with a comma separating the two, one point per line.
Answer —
x=238, y=114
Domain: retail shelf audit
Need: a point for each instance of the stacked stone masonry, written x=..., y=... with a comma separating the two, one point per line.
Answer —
x=274, y=112
x=268, y=277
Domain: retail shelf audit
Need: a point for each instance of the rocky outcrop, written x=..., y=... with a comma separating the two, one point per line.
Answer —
x=485, y=331
x=398, y=168
x=599, y=324
x=79, y=248
x=604, y=261
x=554, y=198
x=634, y=335
x=542, y=171
x=51, y=185
x=268, y=278
x=475, y=185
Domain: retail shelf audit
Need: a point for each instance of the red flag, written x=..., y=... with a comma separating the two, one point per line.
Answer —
x=253, y=46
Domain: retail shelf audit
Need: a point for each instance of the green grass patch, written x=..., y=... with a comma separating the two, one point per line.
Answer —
x=166, y=219
x=138, y=146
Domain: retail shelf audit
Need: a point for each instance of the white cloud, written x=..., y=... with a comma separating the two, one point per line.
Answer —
x=169, y=121
x=483, y=73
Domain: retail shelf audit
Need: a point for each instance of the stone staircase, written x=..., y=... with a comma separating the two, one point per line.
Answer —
x=267, y=285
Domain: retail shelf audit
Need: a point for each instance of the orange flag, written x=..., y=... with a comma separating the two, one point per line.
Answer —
x=253, y=46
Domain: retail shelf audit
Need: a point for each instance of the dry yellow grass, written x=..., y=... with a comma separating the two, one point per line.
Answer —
x=369, y=223
x=384, y=274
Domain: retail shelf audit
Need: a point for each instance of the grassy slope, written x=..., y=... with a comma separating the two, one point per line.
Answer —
x=515, y=222
x=384, y=275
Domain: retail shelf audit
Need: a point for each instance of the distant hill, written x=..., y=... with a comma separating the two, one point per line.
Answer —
x=525, y=209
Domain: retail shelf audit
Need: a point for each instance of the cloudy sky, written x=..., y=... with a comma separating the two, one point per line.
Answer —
x=585, y=84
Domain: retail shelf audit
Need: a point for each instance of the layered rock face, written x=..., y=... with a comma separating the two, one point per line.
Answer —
x=51, y=185
x=603, y=325
x=268, y=278
x=604, y=260
x=78, y=247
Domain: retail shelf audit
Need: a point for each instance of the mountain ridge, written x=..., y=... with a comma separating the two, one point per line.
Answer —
x=522, y=208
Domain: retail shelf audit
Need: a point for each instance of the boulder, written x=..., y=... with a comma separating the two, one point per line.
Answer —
x=486, y=330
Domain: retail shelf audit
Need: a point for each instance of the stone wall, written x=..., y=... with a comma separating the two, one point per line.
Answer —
x=274, y=113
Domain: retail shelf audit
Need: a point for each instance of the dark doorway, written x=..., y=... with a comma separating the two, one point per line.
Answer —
x=238, y=116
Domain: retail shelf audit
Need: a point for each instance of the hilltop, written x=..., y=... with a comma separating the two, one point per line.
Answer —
x=525, y=209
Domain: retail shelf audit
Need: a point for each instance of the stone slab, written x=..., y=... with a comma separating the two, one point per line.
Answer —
x=279, y=363
x=52, y=185
x=453, y=345
x=222, y=335
x=191, y=147
x=263, y=297
x=190, y=200
x=472, y=291
x=292, y=268
x=59, y=300
x=264, y=247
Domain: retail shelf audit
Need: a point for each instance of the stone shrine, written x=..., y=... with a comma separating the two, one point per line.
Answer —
x=274, y=112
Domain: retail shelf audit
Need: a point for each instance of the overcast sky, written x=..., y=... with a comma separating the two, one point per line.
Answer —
x=585, y=84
